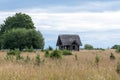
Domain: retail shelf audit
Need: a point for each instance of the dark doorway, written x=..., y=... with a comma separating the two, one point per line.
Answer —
x=73, y=48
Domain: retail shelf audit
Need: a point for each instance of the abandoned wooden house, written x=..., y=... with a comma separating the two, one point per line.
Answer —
x=69, y=42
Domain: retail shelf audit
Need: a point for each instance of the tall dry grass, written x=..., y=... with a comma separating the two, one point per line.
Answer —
x=67, y=68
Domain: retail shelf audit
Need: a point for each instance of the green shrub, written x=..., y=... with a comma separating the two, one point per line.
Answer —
x=112, y=57
x=9, y=57
x=88, y=47
x=18, y=56
x=37, y=59
x=99, y=49
x=16, y=53
x=13, y=52
x=50, y=48
x=47, y=54
x=43, y=50
x=27, y=58
x=97, y=59
x=31, y=49
x=115, y=46
x=66, y=52
x=118, y=67
x=56, y=54
x=26, y=49
x=118, y=49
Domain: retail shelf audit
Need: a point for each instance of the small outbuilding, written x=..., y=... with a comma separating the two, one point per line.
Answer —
x=69, y=42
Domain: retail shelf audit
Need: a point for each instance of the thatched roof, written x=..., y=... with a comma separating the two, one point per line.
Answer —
x=68, y=40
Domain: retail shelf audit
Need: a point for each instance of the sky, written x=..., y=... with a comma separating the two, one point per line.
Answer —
x=97, y=22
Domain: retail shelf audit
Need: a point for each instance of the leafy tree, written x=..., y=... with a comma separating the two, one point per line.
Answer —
x=19, y=20
x=19, y=31
x=21, y=38
x=88, y=47
x=118, y=49
x=50, y=48
x=115, y=46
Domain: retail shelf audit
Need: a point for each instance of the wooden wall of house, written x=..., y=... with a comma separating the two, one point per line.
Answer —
x=74, y=47
x=70, y=47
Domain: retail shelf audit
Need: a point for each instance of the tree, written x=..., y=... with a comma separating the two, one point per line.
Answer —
x=21, y=38
x=19, y=32
x=118, y=49
x=50, y=48
x=115, y=46
x=19, y=20
x=88, y=46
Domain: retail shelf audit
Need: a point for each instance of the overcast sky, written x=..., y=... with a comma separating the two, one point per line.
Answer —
x=97, y=22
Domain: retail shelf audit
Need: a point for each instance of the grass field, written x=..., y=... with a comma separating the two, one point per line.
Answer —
x=79, y=67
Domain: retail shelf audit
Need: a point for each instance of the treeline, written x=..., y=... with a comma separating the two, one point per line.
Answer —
x=90, y=47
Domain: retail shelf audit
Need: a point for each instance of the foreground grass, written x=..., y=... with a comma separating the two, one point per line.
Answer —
x=67, y=68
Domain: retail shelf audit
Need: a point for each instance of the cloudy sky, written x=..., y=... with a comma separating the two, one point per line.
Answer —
x=97, y=22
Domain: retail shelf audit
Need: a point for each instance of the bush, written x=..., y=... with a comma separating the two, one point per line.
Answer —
x=13, y=52
x=18, y=57
x=9, y=57
x=88, y=47
x=31, y=49
x=56, y=54
x=47, y=54
x=67, y=52
x=97, y=59
x=100, y=49
x=50, y=48
x=118, y=67
x=112, y=57
x=27, y=58
x=118, y=49
x=37, y=59
x=115, y=46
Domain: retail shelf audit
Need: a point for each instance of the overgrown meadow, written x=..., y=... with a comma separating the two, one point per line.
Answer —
x=82, y=65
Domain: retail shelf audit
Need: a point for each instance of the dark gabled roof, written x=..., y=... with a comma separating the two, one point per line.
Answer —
x=68, y=40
